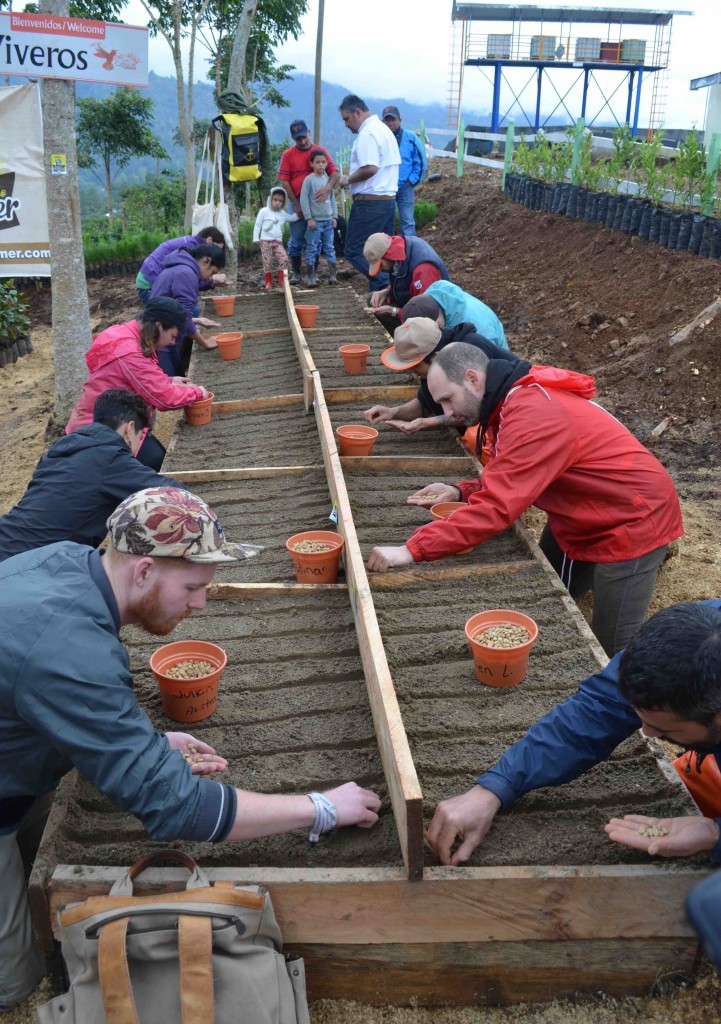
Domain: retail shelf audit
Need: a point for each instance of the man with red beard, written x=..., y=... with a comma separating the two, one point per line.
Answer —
x=66, y=700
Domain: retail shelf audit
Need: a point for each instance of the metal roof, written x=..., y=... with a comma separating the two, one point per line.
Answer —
x=589, y=15
x=706, y=81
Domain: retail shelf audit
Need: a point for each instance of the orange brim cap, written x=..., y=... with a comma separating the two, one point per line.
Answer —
x=373, y=268
x=391, y=359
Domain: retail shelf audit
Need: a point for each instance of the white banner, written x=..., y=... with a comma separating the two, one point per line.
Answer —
x=24, y=235
x=51, y=46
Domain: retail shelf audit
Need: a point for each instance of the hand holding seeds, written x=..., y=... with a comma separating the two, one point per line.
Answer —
x=433, y=493
x=201, y=757
x=664, y=837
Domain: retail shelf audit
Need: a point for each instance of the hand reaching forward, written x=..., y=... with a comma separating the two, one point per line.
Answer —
x=354, y=805
x=433, y=493
x=684, y=836
x=468, y=818
x=381, y=559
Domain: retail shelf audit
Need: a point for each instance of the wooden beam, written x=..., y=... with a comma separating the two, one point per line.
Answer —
x=403, y=785
x=202, y=476
x=253, y=591
x=699, y=323
x=398, y=393
x=251, y=404
x=301, y=347
x=452, y=905
x=425, y=571
x=429, y=465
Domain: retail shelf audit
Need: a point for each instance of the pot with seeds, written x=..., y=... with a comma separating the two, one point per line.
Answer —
x=188, y=674
x=316, y=555
x=501, y=642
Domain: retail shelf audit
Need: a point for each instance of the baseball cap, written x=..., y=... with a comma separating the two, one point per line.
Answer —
x=168, y=522
x=414, y=340
x=379, y=245
x=390, y=112
x=165, y=311
x=298, y=129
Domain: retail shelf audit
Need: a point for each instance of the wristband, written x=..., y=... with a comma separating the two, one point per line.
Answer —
x=394, y=311
x=325, y=816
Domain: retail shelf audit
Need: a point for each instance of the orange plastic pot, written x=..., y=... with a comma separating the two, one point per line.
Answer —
x=355, y=358
x=188, y=700
x=470, y=440
x=442, y=510
x=500, y=666
x=224, y=304
x=200, y=412
x=229, y=345
x=316, y=566
x=355, y=439
x=307, y=315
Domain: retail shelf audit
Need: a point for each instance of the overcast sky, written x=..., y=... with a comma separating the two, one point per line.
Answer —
x=401, y=49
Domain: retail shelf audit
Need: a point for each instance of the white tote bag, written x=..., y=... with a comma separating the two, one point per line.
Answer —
x=204, y=213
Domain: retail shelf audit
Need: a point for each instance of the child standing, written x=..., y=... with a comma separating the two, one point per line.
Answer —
x=269, y=233
x=321, y=220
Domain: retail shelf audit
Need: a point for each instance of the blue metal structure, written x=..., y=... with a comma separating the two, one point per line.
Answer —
x=630, y=71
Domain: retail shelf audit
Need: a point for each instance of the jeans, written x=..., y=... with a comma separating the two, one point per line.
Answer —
x=296, y=243
x=170, y=359
x=320, y=239
x=621, y=590
x=367, y=216
x=151, y=452
x=405, y=200
x=703, y=904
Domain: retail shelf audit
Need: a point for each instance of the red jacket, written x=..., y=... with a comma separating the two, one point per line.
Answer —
x=115, y=360
x=607, y=498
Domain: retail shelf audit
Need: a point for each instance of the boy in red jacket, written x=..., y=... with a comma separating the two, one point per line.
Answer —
x=612, y=508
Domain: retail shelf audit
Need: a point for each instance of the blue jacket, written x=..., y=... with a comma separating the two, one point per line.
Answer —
x=417, y=251
x=66, y=694
x=75, y=487
x=578, y=734
x=413, y=158
x=180, y=280
x=461, y=308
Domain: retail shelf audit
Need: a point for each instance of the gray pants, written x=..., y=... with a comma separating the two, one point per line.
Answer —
x=621, y=590
x=22, y=964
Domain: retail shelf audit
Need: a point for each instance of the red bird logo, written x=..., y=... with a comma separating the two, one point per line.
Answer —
x=108, y=55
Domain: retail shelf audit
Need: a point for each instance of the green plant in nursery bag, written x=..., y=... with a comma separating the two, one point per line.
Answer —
x=14, y=318
x=652, y=178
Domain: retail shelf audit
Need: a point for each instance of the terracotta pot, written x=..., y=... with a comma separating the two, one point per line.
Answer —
x=500, y=666
x=229, y=345
x=188, y=700
x=200, y=412
x=307, y=315
x=355, y=439
x=316, y=566
x=355, y=358
x=442, y=510
x=224, y=304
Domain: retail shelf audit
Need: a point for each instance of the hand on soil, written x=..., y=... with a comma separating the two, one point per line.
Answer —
x=204, y=321
x=684, y=836
x=381, y=559
x=379, y=310
x=433, y=493
x=378, y=298
x=354, y=805
x=201, y=757
x=210, y=342
x=467, y=818
x=378, y=414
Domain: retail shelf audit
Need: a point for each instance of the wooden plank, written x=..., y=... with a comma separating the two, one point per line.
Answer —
x=428, y=464
x=698, y=323
x=250, y=404
x=301, y=347
x=403, y=785
x=490, y=974
x=253, y=591
x=201, y=476
x=399, y=393
x=425, y=571
x=371, y=906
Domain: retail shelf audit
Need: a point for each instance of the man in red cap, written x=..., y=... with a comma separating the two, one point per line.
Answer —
x=412, y=265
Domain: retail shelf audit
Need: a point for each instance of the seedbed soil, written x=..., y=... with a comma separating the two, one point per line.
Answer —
x=390, y=441
x=457, y=727
x=267, y=367
x=339, y=307
x=328, y=360
x=292, y=716
x=382, y=516
x=253, y=311
x=261, y=437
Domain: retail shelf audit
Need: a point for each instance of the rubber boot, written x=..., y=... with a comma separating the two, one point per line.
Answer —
x=295, y=267
x=332, y=277
x=268, y=281
x=280, y=279
x=311, y=276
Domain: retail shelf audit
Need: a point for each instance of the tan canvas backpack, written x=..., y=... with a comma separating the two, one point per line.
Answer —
x=207, y=954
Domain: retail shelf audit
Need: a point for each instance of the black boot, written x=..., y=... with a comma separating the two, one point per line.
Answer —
x=332, y=278
x=311, y=275
x=295, y=266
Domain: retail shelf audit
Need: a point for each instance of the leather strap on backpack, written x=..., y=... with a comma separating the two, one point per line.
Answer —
x=114, y=974
x=195, y=942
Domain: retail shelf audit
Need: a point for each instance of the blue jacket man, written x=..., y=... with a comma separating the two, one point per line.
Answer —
x=412, y=171
x=450, y=306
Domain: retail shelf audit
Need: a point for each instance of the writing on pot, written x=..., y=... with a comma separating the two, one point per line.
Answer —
x=312, y=570
x=192, y=694
x=208, y=704
x=508, y=670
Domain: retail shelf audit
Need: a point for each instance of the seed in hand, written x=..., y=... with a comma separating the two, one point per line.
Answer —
x=191, y=755
x=505, y=635
x=650, y=831
x=190, y=669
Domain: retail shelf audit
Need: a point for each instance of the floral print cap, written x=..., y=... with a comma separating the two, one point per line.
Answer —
x=168, y=522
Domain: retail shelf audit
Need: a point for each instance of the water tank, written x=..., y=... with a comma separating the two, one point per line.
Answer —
x=587, y=48
x=498, y=47
x=633, y=51
x=543, y=47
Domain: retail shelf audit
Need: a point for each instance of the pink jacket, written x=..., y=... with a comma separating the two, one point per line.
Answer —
x=115, y=360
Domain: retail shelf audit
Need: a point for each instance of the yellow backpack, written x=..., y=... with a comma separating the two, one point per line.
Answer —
x=241, y=146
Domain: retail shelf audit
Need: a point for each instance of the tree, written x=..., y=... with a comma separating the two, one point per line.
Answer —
x=70, y=314
x=113, y=131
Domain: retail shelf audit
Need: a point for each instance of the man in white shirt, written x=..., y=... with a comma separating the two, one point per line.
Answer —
x=374, y=164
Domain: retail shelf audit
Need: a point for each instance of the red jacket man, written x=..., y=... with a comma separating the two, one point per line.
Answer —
x=612, y=508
